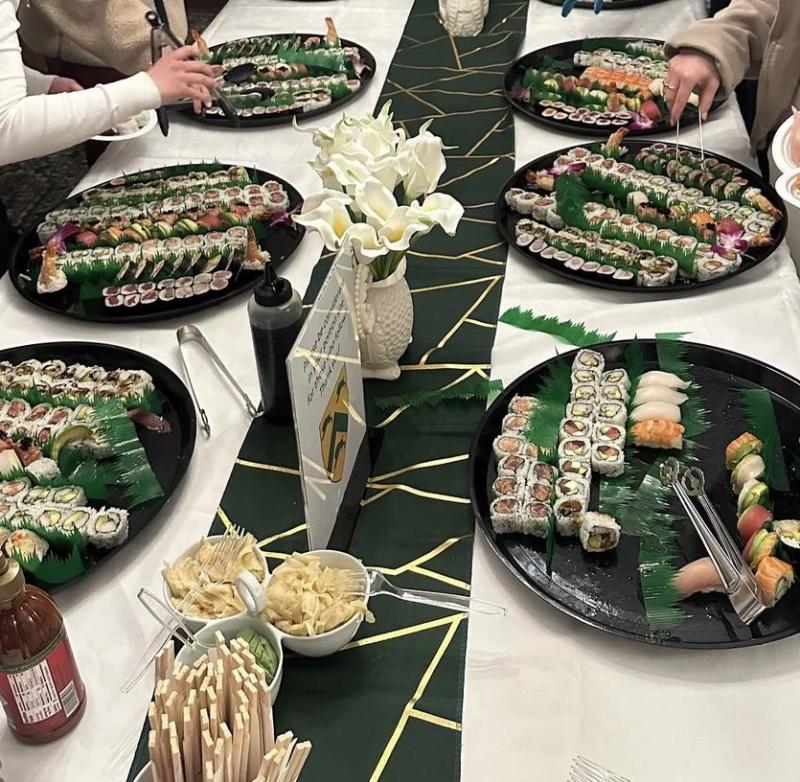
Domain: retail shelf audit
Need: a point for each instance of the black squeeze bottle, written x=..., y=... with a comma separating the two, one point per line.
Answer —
x=276, y=314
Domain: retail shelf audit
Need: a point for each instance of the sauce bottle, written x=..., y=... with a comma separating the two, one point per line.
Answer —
x=276, y=314
x=40, y=688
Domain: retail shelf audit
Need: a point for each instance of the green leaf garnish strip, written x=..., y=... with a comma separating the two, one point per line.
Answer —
x=474, y=389
x=551, y=402
x=569, y=331
x=759, y=412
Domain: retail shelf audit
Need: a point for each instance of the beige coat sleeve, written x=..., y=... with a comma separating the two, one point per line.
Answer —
x=113, y=32
x=735, y=38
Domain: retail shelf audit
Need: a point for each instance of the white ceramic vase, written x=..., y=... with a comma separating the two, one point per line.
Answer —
x=463, y=18
x=384, y=318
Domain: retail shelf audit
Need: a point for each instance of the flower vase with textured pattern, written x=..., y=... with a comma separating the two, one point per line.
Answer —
x=463, y=18
x=385, y=319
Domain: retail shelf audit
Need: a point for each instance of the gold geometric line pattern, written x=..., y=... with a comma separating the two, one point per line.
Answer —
x=268, y=467
x=426, y=557
x=468, y=173
x=455, y=51
x=506, y=18
x=488, y=133
x=461, y=256
x=404, y=487
x=480, y=323
x=286, y=534
x=411, y=94
x=460, y=284
x=421, y=466
x=446, y=338
x=478, y=206
x=402, y=632
x=223, y=517
x=423, y=367
x=434, y=720
x=488, y=46
x=454, y=582
x=418, y=693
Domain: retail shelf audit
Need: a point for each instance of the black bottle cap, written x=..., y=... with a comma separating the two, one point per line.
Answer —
x=272, y=291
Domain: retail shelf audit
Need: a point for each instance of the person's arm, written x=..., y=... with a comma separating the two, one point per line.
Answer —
x=735, y=39
x=37, y=83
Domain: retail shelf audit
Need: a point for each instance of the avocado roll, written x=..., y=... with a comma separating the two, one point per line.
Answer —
x=599, y=532
x=584, y=393
x=614, y=392
x=36, y=495
x=613, y=434
x=575, y=448
x=69, y=496
x=612, y=413
x=608, y=460
x=588, y=359
x=585, y=376
x=581, y=410
x=108, y=528
x=619, y=376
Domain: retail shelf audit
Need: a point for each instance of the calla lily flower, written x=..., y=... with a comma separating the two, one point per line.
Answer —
x=426, y=163
x=375, y=201
x=329, y=216
x=401, y=229
x=363, y=239
x=439, y=209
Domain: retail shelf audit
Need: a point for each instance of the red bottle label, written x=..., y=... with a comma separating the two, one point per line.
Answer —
x=41, y=695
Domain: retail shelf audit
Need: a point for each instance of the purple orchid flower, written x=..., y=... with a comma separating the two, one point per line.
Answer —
x=520, y=93
x=566, y=168
x=358, y=64
x=285, y=218
x=66, y=230
x=639, y=121
x=729, y=237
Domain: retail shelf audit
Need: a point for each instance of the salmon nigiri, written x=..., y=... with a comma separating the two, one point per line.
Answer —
x=657, y=433
x=697, y=576
x=774, y=576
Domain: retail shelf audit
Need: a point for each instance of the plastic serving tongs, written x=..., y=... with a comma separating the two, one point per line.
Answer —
x=191, y=333
x=740, y=584
x=161, y=35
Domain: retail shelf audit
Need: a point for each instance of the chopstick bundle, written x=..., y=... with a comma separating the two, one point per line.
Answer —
x=212, y=722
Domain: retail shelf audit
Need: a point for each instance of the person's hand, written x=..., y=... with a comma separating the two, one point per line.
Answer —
x=62, y=84
x=179, y=76
x=690, y=72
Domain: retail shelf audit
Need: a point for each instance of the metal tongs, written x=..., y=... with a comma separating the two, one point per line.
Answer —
x=161, y=35
x=191, y=333
x=740, y=584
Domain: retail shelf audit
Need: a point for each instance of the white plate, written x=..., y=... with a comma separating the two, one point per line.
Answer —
x=784, y=187
x=152, y=120
x=780, y=148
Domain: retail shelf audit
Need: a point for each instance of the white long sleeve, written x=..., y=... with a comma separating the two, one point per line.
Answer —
x=35, y=125
x=38, y=83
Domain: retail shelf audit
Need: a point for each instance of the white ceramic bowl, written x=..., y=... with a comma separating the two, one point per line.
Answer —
x=193, y=623
x=230, y=628
x=787, y=182
x=780, y=148
x=332, y=641
x=146, y=774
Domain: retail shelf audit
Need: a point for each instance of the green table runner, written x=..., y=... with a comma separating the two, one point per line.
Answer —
x=388, y=707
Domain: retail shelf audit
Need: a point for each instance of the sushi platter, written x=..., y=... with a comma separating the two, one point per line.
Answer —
x=594, y=85
x=641, y=217
x=288, y=76
x=560, y=447
x=157, y=244
x=94, y=439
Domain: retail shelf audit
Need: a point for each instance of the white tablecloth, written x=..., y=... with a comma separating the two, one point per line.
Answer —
x=540, y=687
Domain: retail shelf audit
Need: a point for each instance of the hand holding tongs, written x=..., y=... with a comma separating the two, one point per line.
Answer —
x=739, y=582
x=160, y=36
x=191, y=333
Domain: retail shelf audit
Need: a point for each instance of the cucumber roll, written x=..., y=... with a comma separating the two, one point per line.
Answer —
x=77, y=520
x=569, y=514
x=574, y=427
x=36, y=495
x=585, y=376
x=609, y=433
x=581, y=410
x=575, y=448
x=589, y=359
x=69, y=496
x=612, y=413
x=614, y=392
x=608, y=460
x=108, y=528
x=50, y=518
x=584, y=393
x=504, y=513
x=534, y=519
x=619, y=376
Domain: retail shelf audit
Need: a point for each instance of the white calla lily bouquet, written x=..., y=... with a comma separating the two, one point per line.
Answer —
x=378, y=193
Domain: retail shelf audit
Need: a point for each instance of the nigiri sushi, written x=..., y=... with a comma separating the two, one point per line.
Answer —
x=752, y=520
x=754, y=492
x=657, y=433
x=697, y=576
x=662, y=410
x=666, y=379
x=762, y=544
x=743, y=445
x=658, y=394
x=751, y=467
x=774, y=576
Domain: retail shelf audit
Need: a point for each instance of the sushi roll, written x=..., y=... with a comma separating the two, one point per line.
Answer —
x=657, y=378
x=754, y=492
x=657, y=433
x=788, y=532
x=741, y=447
x=14, y=490
x=613, y=392
x=752, y=467
x=43, y=469
x=36, y=495
x=534, y=519
x=507, y=487
x=574, y=427
x=584, y=393
x=23, y=544
x=108, y=528
x=775, y=577
x=539, y=471
x=706, y=269
x=618, y=377
x=524, y=405
x=49, y=518
x=752, y=520
x=541, y=491
x=607, y=460
x=507, y=444
x=762, y=544
x=577, y=468
x=608, y=433
x=569, y=515
x=515, y=423
x=581, y=410
x=504, y=513
x=77, y=520
x=511, y=466
x=589, y=359
x=647, y=394
x=575, y=448
x=599, y=532
x=661, y=410
x=612, y=413
x=572, y=486
x=585, y=376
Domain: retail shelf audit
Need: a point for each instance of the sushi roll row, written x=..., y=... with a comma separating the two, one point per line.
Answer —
x=74, y=381
x=640, y=65
x=21, y=495
x=40, y=422
x=656, y=410
x=166, y=290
